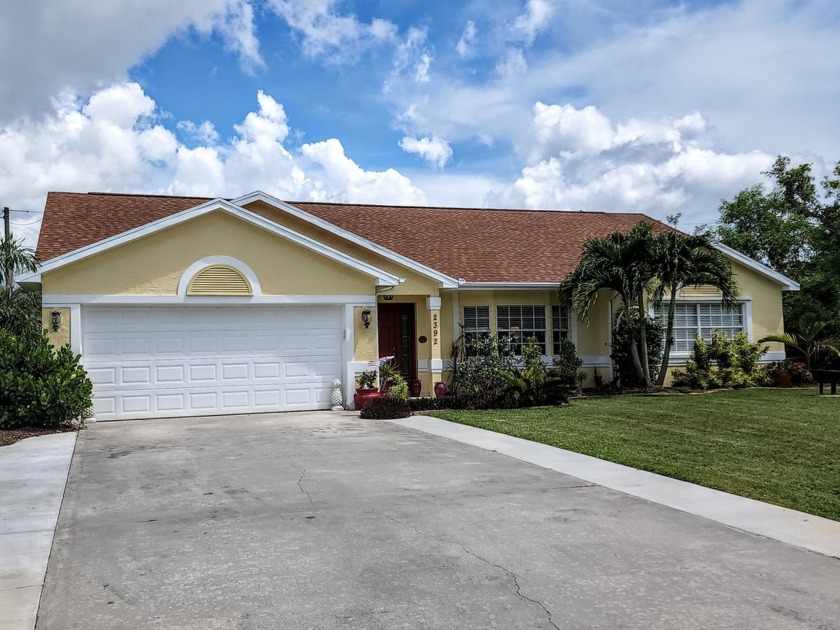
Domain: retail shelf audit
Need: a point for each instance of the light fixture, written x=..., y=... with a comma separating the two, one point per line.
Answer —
x=55, y=320
x=366, y=317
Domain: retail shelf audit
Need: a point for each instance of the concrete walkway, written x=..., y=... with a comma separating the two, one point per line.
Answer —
x=790, y=526
x=33, y=473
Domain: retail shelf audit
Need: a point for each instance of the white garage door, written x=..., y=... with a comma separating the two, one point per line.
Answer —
x=150, y=362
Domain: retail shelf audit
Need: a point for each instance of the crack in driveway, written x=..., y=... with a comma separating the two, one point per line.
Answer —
x=300, y=485
x=463, y=547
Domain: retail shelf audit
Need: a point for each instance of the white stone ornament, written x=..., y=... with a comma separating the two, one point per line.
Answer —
x=336, y=399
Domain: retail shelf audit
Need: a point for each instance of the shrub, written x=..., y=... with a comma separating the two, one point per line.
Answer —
x=398, y=387
x=621, y=348
x=40, y=386
x=479, y=368
x=526, y=384
x=565, y=377
x=386, y=408
x=722, y=363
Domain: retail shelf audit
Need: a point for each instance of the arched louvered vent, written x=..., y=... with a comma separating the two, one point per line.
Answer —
x=219, y=280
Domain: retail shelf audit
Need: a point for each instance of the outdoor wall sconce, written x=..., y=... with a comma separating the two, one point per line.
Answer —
x=55, y=320
x=366, y=318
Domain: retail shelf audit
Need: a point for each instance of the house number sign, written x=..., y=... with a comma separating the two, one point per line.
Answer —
x=435, y=332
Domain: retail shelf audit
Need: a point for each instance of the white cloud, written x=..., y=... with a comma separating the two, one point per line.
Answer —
x=325, y=31
x=52, y=45
x=434, y=150
x=536, y=18
x=581, y=159
x=512, y=66
x=413, y=57
x=114, y=143
x=465, y=44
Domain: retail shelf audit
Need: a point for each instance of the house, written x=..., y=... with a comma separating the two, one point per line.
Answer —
x=185, y=306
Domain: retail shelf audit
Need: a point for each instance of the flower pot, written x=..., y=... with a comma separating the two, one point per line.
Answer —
x=363, y=396
x=782, y=379
x=440, y=389
x=415, y=387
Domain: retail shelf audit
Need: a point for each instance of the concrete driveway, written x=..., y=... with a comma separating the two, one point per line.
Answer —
x=328, y=521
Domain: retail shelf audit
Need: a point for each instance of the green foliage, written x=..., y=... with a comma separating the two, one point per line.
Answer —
x=367, y=380
x=680, y=260
x=40, y=386
x=479, y=368
x=619, y=263
x=723, y=363
x=398, y=388
x=621, y=350
x=485, y=375
x=794, y=229
x=386, y=408
x=812, y=342
x=564, y=377
x=20, y=313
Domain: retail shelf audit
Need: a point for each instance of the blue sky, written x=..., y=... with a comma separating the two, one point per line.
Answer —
x=647, y=106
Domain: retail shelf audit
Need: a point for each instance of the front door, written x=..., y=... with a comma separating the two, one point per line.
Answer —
x=396, y=337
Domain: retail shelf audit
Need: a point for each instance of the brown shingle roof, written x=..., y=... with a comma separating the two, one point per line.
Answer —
x=477, y=245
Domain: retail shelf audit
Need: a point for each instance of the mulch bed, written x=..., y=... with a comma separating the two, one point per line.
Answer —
x=10, y=436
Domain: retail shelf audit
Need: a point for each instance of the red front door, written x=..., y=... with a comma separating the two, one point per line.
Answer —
x=396, y=337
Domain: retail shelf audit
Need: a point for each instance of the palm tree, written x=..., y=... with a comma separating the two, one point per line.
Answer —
x=619, y=263
x=15, y=258
x=811, y=340
x=679, y=260
x=20, y=312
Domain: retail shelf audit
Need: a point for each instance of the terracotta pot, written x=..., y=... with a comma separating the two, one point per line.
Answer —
x=415, y=387
x=782, y=379
x=363, y=396
x=440, y=389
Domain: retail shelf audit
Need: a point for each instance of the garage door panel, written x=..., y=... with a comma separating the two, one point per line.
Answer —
x=155, y=361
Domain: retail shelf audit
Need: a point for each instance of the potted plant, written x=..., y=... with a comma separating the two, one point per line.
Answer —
x=415, y=386
x=780, y=374
x=367, y=389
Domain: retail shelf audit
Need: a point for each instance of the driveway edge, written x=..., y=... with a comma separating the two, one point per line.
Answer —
x=814, y=533
x=33, y=477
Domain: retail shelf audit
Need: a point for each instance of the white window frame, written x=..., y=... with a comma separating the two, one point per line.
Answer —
x=679, y=358
x=468, y=331
x=560, y=329
x=524, y=332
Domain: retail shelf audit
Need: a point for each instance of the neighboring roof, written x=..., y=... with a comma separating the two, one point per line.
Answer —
x=477, y=245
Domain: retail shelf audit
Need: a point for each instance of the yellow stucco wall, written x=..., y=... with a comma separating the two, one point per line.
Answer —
x=154, y=264
x=364, y=338
x=767, y=313
x=61, y=337
x=415, y=284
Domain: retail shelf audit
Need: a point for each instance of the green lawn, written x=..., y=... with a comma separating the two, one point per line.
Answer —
x=780, y=446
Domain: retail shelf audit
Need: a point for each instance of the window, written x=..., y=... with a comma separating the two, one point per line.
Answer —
x=696, y=318
x=559, y=326
x=476, y=322
x=518, y=324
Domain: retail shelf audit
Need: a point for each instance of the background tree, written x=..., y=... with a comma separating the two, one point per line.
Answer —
x=679, y=260
x=795, y=229
x=619, y=263
x=20, y=312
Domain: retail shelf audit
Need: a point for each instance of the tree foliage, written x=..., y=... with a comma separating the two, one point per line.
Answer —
x=794, y=227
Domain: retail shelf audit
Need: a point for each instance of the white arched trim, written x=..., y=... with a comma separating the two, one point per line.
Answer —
x=235, y=263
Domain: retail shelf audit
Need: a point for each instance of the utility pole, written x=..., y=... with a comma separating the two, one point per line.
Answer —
x=7, y=231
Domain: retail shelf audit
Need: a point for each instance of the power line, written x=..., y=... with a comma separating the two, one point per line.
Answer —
x=30, y=223
x=27, y=211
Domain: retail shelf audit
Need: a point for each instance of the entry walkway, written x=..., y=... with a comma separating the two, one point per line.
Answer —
x=796, y=528
x=33, y=473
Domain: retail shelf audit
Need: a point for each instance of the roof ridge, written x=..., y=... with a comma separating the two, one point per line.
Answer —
x=488, y=209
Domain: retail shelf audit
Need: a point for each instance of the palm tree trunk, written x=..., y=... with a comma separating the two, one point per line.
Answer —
x=643, y=347
x=634, y=346
x=669, y=337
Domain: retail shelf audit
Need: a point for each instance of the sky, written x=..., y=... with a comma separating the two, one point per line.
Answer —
x=646, y=106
